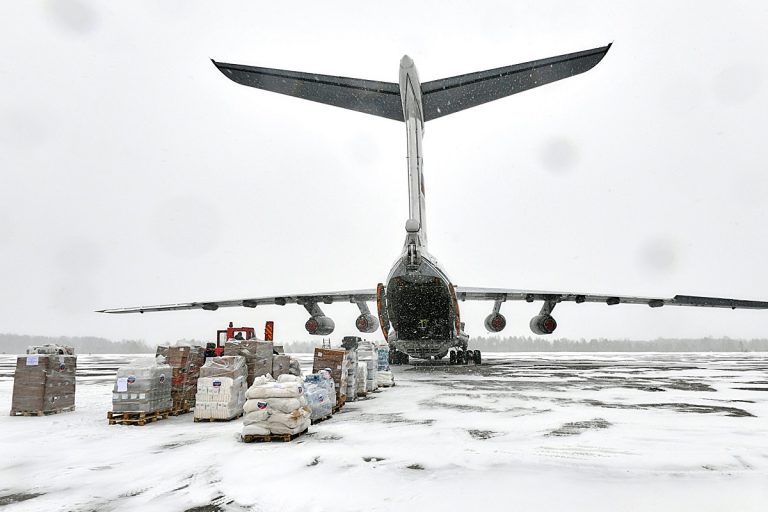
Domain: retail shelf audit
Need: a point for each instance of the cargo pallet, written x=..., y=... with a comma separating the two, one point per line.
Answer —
x=136, y=418
x=176, y=412
x=339, y=404
x=42, y=413
x=318, y=420
x=252, y=438
x=219, y=419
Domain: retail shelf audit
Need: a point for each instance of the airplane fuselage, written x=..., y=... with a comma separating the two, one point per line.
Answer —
x=420, y=301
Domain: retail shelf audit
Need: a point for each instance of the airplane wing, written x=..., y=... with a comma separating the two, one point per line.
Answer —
x=367, y=96
x=280, y=300
x=504, y=294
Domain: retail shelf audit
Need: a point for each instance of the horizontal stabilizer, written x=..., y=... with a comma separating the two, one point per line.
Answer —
x=450, y=95
x=367, y=96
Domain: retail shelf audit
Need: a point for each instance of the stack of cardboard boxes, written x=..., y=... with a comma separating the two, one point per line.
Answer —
x=185, y=362
x=44, y=384
x=335, y=361
x=143, y=385
x=257, y=354
x=221, y=388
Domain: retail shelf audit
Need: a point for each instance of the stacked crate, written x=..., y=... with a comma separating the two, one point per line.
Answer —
x=142, y=386
x=335, y=361
x=221, y=388
x=368, y=354
x=185, y=362
x=44, y=384
x=257, y=354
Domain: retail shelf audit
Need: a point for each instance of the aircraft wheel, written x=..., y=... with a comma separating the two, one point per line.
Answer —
x=452, y=357
x=459, y=357
x=478, y=357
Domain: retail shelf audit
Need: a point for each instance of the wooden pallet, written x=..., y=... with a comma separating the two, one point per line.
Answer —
x=176, y=412
x=339, y=405
x=136, y=418
x=318, y=420
x=271, y=438
x=42, y=413
x=219, y=419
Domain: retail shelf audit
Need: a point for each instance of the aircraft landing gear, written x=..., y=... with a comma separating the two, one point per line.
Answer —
x=465, y=357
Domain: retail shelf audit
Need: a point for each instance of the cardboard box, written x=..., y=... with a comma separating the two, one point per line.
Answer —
x=44, y=383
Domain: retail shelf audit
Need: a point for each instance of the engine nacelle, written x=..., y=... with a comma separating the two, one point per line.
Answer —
x=543, y=324
x=495, y=322
x=319, y=325
x=366, y=323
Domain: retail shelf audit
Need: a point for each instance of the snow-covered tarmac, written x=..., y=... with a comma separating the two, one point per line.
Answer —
x=522, y=432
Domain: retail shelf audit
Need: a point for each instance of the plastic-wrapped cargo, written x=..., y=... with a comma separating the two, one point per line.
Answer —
x=285, y=365
x=276, y=406
x=362, y=374
x=351, y=375
x=257, y=354
x=367, y=352
x=335, y=362
x=44, y=384
x=326, y=380
x=221, y=388
x=385, y=378
x=185, y=362
x=319, y=400
x=383, y=357
x=51, y=349
x=143, y=385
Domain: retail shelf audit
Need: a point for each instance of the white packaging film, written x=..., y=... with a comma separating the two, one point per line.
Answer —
x=143, y=385
x=221, y=393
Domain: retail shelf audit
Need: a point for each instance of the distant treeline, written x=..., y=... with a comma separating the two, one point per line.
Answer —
x=18, y=343
x=528, y=344
x=540, y=344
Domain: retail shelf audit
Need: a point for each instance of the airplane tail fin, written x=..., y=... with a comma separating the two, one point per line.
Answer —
x=367, y=96
x=450, y=95
x=440, y=97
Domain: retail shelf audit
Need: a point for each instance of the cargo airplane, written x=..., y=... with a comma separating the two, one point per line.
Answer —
x=418, y=305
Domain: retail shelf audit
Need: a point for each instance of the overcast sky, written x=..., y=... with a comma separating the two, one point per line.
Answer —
x=132, y=172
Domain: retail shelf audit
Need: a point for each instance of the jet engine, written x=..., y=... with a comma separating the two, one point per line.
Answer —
x=495, y=322
x=319, y=325
x=366, y=323
x=543, y=324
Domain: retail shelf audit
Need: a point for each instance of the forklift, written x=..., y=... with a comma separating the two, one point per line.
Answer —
x=216, y=349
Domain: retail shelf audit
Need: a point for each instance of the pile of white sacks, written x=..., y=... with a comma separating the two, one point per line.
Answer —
x=276, y=406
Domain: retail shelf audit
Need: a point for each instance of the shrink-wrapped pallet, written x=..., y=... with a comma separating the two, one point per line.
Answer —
x=385, y=378
x=285, y=365
x=351, y=357
x=221, y=388
x=276, y=406
x=367, y=352
x=185, y=362
x=143, y=385
x=335, y=362
x=383, y=356
x=44, y=384
x=361, y=378
x=320, y=394
x=257, y=354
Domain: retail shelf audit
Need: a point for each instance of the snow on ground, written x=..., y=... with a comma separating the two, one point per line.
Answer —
x=521, y=432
